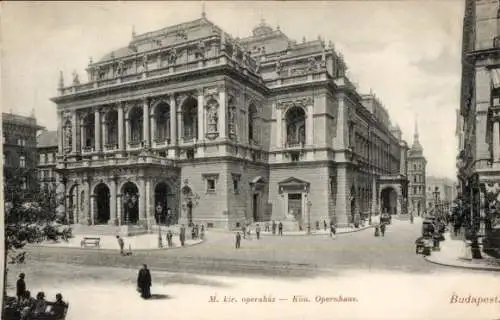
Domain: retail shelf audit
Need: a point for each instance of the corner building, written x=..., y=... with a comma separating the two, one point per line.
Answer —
x=189, y=125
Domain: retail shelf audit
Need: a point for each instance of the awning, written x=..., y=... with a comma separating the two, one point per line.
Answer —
x=495, y=78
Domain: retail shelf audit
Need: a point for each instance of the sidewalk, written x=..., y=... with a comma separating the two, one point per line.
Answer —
x=141, y=242
x=320, y=232
x=454, y=254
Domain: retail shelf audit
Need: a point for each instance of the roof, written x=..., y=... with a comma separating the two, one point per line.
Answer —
x=47, y=139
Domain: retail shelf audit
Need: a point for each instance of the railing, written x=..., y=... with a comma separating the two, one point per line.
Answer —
x=88, y=149
x=111, y=147
x=117, y=161
x=134, y=144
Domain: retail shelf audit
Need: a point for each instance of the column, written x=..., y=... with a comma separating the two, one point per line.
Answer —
x=92, y=209
x=201, y=121
x=112, y=202
x=152, y=125
x=222, y=113
x=279, y=125
x=119, y=209
x=60, y=133
x=104, y=134
x=120, y=127
x=149, y=209
x=74, y=120
x=342, y=204
x=309, y=126
x=173, y=120
x=127, y=132
x=496, y=140
x=82, y=137
x=374, y=195
x=180, y=127
x=97, y=130
x=145, y=117
x=142, y=200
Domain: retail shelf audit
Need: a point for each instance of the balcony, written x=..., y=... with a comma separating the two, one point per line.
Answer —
x=135, y=144
x=111, y=147
x=161, y=142
x=87, y=149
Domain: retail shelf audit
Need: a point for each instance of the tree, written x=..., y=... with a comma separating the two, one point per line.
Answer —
x=29, y=217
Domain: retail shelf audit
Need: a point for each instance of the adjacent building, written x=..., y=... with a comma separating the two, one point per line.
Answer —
x=47, y=157
x=440, y=191
x=478, y=129
x=188, y=124
x=19, y=153
x=416, y=176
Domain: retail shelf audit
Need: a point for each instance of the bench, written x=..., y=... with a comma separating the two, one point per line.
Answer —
x=90, y=242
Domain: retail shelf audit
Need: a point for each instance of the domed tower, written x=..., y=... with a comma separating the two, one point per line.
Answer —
x=416, y=176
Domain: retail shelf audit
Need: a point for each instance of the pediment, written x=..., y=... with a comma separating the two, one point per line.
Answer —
x=293, y=182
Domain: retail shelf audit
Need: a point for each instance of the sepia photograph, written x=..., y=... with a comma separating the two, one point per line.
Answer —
x=250, y=160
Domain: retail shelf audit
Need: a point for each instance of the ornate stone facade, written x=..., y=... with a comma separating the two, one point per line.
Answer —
x=209, y=127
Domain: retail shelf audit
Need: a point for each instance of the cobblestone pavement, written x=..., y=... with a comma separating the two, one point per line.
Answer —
x=271, y=255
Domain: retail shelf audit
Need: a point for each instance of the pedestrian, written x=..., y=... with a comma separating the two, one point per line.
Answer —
x=280, y=229
x=238, y=240
x=382, y=229
x=144, y=282
x=182, y=235
x=193, y=233
x=274, y=227
x=170, y=238
x=121, y=243
x=333, y=231
x=267, y=227
x=197, y=232
x=324, y=224
x=20, y=287
x=377, y=230
x=202, y=232
x=317, y=225
x=257, y=231
x=244, y=231
x=411, y=217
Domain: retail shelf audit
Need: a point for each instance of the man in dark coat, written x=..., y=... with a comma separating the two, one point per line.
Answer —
x=280, y=228
x=274, y=227
x=182, y=235
x=238, y=240
x=144, y=282
x=20, y=287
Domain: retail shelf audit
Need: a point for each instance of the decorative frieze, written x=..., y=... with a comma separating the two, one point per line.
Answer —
x=295, y=102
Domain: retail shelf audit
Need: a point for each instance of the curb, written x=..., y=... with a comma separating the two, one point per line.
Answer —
x=494, y=269
x=318, y=234
x=135, y=250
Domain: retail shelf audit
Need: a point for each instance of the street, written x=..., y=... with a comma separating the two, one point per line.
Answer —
x=368, y=273
x=271, y=255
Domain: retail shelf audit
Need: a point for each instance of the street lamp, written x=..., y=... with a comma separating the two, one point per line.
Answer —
x=309, y=204
x=436, y=199
x=158, y=212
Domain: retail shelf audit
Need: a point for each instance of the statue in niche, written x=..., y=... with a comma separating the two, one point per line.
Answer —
x=145, y=63
x=231, y=114
x=302, y=134
x=119, y=69
x=212, y=117
x=68, y=137
x=278, y=66
x=311, y=64
x=172, y=58
x=76, y=80
x=201, y=50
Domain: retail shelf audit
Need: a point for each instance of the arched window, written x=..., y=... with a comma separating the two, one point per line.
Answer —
x=111, y=123
x=190, y=118
x=252, y=119
x=162, y=118
x=22, y=161
x=88, y=124
x=136, y=119
x=295, y=126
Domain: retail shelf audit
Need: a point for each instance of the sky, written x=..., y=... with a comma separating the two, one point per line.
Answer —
x=407, y=52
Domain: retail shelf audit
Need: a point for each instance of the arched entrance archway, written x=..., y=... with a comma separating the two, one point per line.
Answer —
x=389, y=198
x=101, y=193
x=73, y=205
x=130, y=203
x=187, y=194
x=164, y=205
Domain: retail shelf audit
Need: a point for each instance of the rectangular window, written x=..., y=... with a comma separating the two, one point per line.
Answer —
x=22, y=162
x=210, y=181
x=210, y=185
x=236, y=182
x=24, y=183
